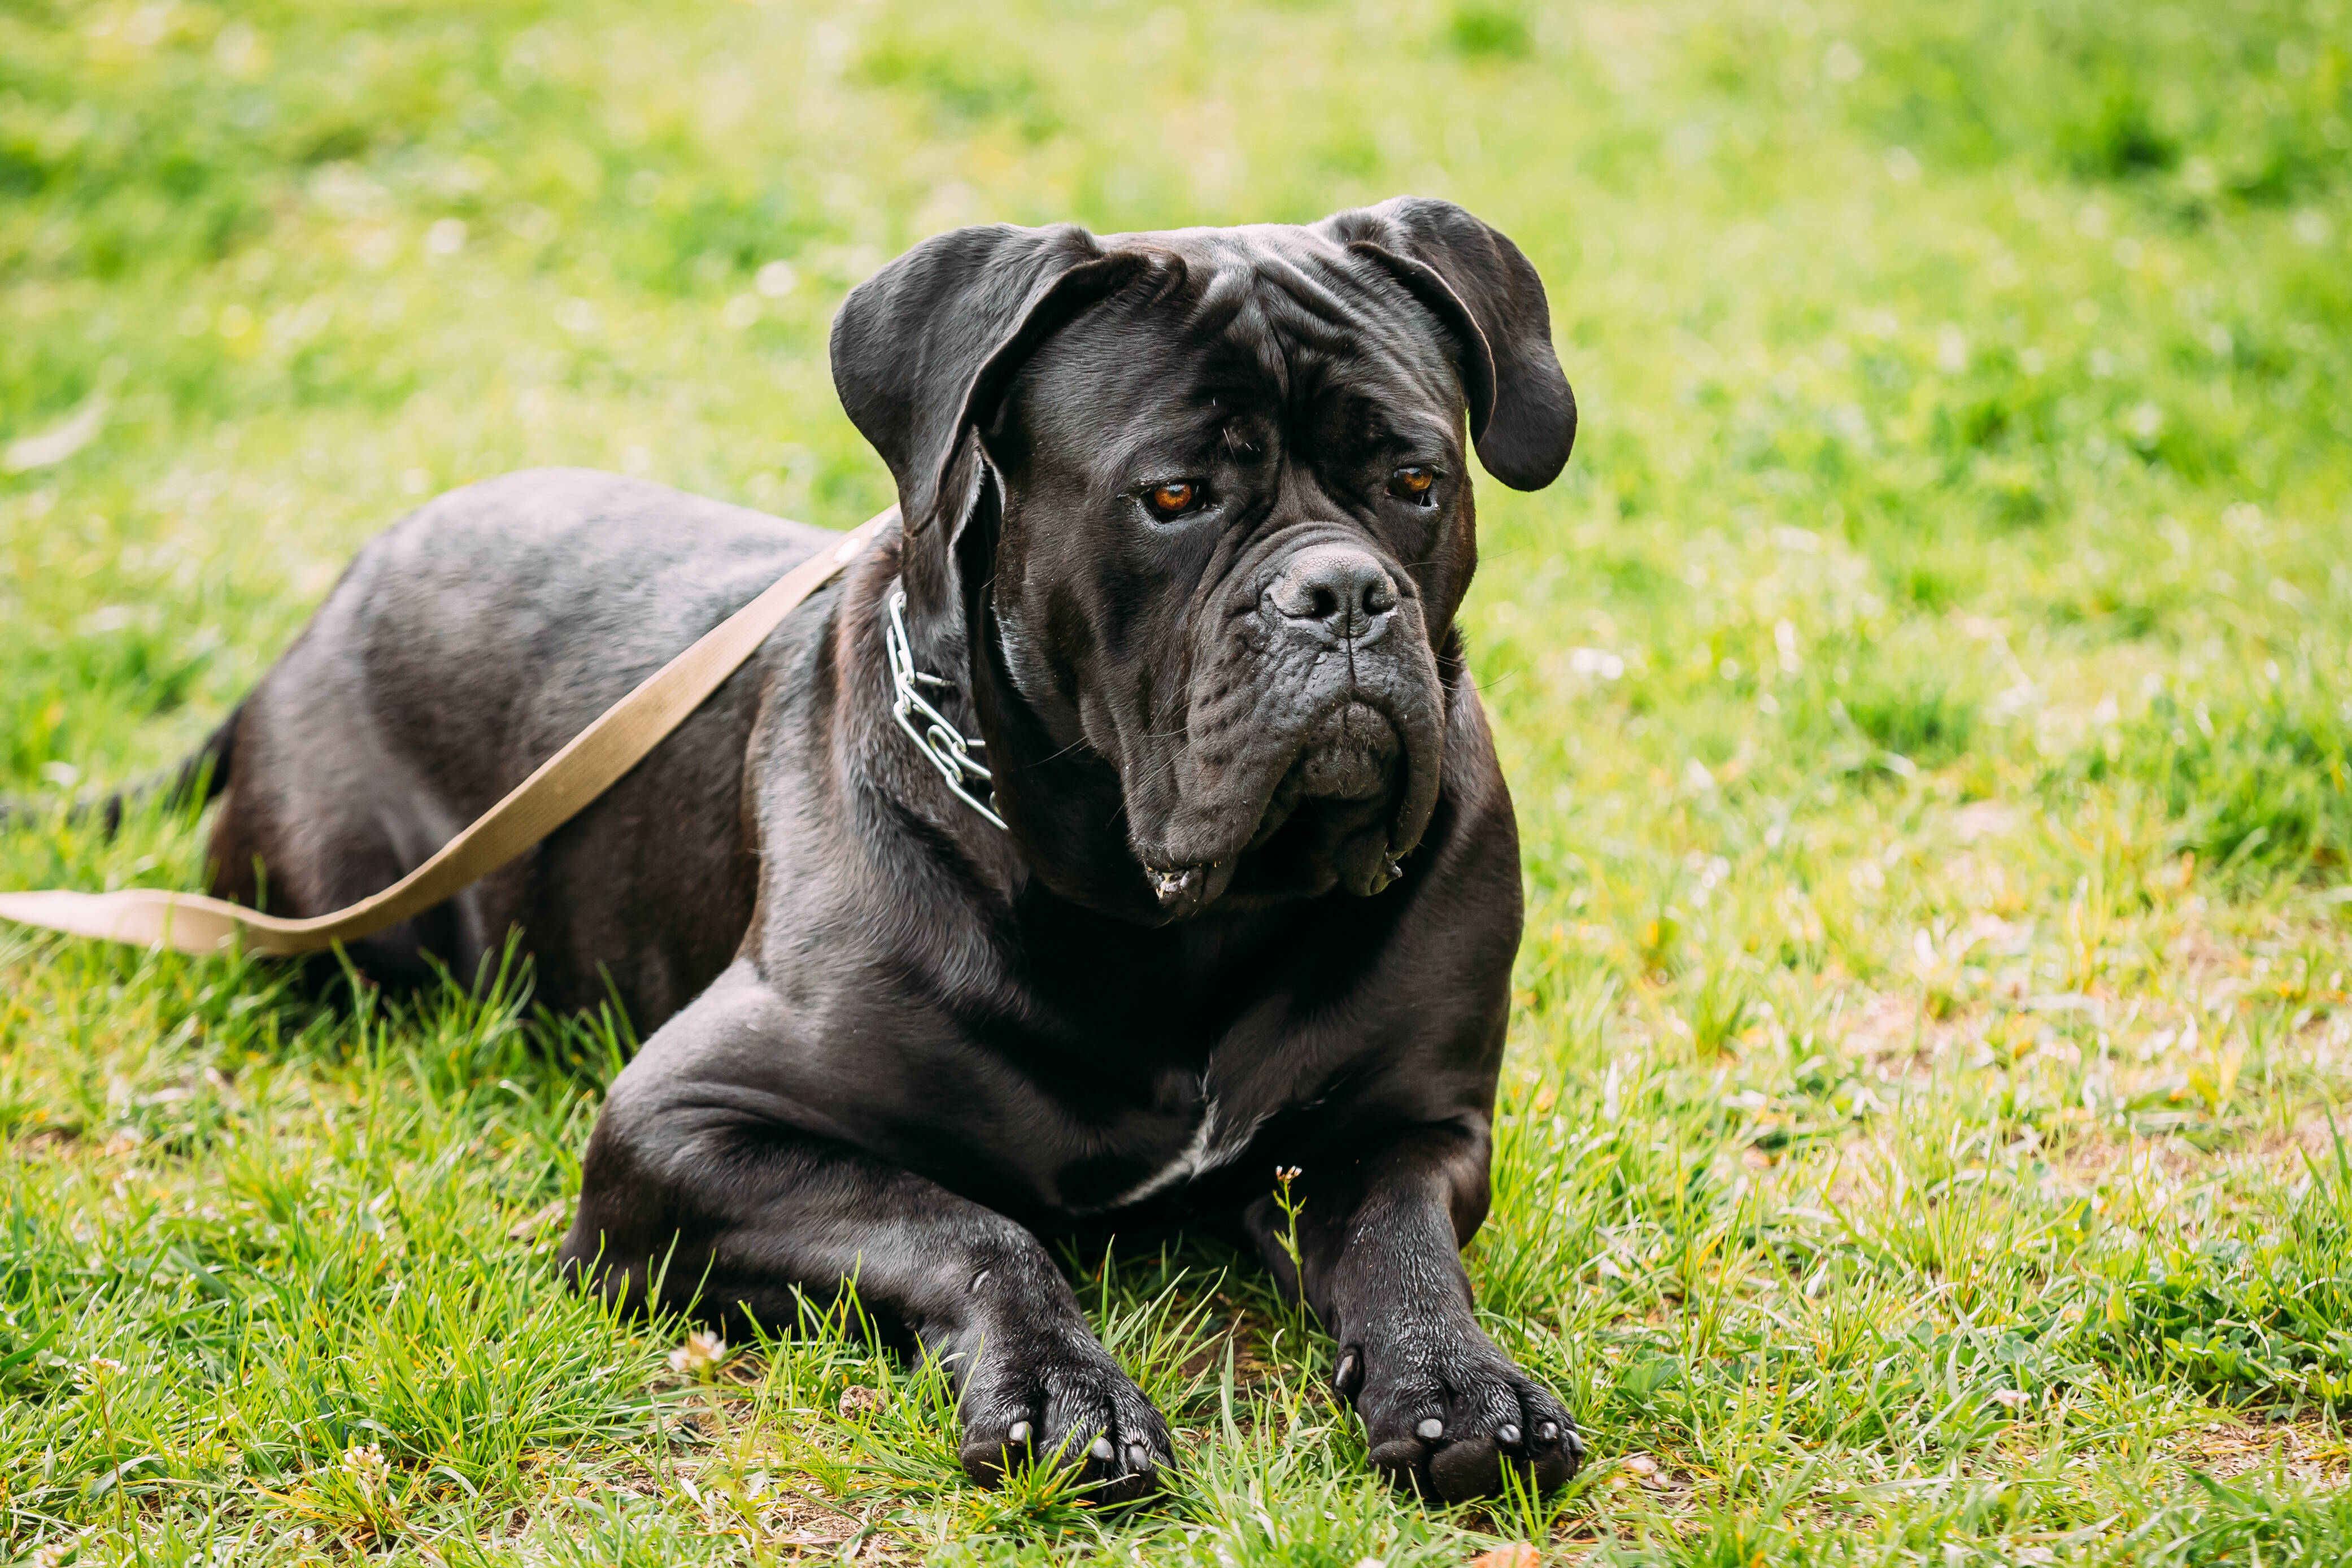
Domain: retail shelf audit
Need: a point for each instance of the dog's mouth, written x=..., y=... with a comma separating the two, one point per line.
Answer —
x=1331, y=820
x=1181, y=889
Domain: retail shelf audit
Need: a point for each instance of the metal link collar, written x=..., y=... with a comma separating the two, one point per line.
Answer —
x=949, y=748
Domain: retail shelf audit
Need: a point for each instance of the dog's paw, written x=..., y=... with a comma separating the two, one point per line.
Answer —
x=1060, y=1401
x=1446, y=1414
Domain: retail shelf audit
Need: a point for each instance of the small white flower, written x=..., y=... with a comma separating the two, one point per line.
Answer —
x=57, y=1551
x=97, y=1370
x=700, y=1353
x=366, y=1464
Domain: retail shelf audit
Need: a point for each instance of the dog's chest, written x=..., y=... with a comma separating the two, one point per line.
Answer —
x=1157, y=1159
x=1216, y=1068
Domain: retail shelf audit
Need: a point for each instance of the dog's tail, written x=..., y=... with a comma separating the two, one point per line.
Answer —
x=202, y=775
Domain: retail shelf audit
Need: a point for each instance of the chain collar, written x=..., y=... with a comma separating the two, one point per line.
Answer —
x=948, y=748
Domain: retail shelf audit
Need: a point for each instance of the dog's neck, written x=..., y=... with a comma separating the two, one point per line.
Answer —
x=1063, y=807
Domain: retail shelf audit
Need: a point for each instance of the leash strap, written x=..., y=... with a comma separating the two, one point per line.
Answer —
x=592, y=762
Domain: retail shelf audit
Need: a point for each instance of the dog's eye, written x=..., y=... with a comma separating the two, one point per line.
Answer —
x=1413, y=483
x=1175, y=498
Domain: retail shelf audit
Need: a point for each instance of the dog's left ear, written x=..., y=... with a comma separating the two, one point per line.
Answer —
x=1522, y=414
x=922, y=349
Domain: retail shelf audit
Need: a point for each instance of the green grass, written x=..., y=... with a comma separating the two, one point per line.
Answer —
x=1926, y=699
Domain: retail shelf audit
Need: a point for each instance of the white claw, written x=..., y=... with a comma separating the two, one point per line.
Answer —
x=1548, y=1431
x=1507, y=1433
x=1102, y=1449
x=1138, y=1458
x=1431, y=1429
x=1020, y=1432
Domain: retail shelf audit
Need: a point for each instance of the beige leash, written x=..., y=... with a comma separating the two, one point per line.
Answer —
x=591, y=763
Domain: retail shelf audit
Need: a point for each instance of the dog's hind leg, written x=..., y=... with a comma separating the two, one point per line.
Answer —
x=1379, y=1240
x=698, y=1195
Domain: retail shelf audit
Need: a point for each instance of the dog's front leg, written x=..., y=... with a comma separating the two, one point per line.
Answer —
x=1379, y=1240
x=694, y=1193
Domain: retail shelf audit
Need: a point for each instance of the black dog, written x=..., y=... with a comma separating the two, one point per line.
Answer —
x=1186, y=523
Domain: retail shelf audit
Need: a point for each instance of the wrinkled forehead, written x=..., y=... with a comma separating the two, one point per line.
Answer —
x=1266, y=324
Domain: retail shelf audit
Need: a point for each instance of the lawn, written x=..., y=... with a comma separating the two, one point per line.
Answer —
x=1928, y=698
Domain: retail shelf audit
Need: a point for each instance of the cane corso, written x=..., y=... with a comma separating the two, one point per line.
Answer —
x=1185, y=523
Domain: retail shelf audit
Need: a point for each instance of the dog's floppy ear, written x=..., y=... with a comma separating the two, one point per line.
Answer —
x=922, y=349
x=1522, y=414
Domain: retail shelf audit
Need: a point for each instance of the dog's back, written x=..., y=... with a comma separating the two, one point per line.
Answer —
x=463, y=648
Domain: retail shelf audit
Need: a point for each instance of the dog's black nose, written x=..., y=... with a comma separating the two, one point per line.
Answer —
x=1333, y=589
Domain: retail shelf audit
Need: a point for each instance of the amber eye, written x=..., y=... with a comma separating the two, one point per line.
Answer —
x=1412, y=484
x=1173, y=498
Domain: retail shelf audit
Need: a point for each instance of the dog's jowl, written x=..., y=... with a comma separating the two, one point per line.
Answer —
x=1125, y=830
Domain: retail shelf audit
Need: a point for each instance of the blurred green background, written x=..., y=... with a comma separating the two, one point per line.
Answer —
x=2005, y=306
x=1929, y=693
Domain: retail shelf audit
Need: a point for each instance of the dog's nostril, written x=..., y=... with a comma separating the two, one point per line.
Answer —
x=1322, y=603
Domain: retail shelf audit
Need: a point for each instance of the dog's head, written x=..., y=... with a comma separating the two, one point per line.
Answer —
x=1194, y=509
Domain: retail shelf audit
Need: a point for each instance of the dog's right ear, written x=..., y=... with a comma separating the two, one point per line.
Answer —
x=922, y=349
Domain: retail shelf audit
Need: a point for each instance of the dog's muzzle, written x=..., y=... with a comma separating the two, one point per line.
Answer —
x=1357, y=702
